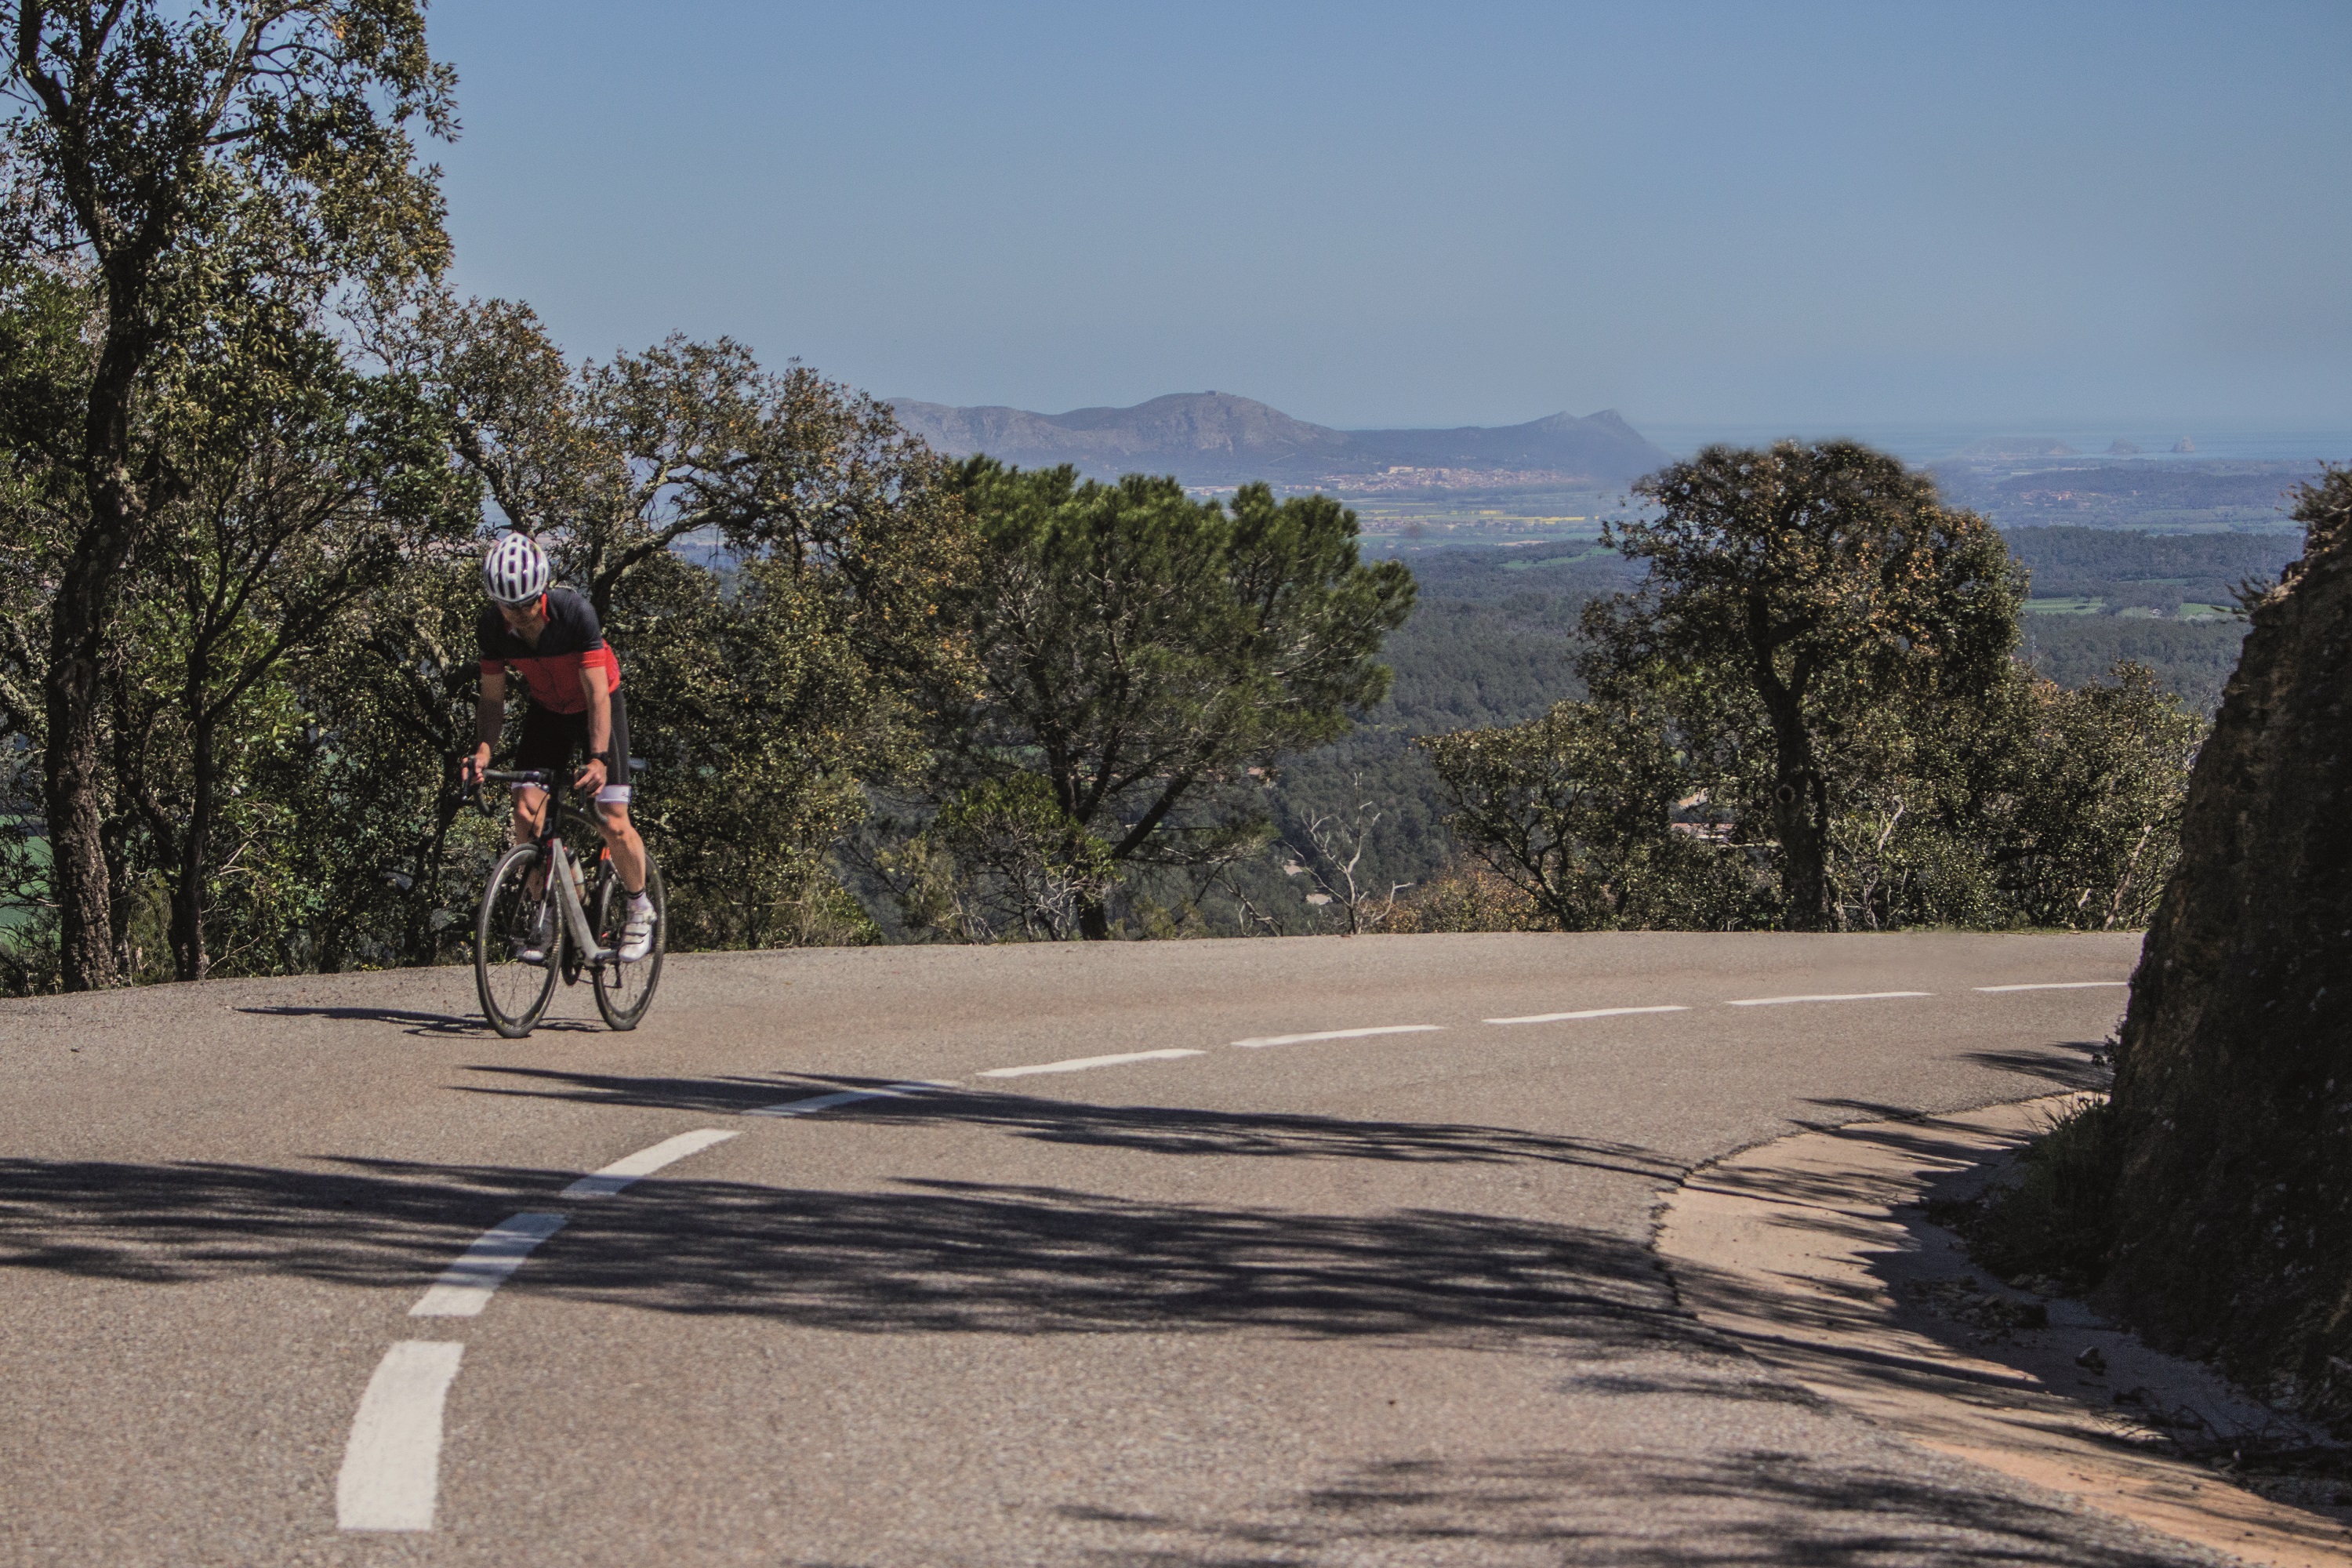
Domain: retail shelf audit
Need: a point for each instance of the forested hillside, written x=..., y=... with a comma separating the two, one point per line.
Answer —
x=2170, y=494
x=2114, y=570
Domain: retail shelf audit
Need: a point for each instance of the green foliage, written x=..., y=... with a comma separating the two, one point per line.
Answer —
x=1575, y=809
x=293, y=666
x=2192, y=659
x=1809, y=715
x=2057, y=1221
x=2091, y=831
x=209, y=179
x=766, y=687
x=1025, y=867
x=1803, y=604
x=1140, y=653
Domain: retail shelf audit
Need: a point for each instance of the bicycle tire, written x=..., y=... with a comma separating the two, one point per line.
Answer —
x=512, y=999
x=623, y=991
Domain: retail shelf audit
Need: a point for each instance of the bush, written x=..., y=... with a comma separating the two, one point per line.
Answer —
x=2057, y=1221
x=1469, y=898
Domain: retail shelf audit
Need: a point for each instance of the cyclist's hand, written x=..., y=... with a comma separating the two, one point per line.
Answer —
x=592, y=777
x=475, y=765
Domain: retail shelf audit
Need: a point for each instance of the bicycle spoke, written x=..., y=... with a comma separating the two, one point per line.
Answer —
x=623, y=991
x=519, y=945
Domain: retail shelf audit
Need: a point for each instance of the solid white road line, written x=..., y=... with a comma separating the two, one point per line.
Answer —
x=843, y=1097
x=1588, y=1013
x=1080, y=1064
x=1849, y=996
x=392, y=1466
x=2063, y=986
x=465, y=1287
x=1338, y=1035
x=620, y=1173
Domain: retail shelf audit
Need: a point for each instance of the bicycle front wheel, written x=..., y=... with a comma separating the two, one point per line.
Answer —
x=623, y=991
x=515, y=921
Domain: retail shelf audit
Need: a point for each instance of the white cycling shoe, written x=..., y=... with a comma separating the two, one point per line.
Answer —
x=541, y=935
x=636, y=933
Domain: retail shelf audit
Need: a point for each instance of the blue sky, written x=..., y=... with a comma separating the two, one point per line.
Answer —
x=1441, y=214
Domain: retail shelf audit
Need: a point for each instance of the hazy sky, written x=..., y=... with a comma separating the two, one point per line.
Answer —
x=1377, y=214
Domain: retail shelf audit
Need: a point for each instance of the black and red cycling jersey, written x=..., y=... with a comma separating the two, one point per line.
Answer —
x=551, y=671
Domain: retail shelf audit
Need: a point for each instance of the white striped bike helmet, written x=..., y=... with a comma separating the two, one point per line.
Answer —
x=516, y=571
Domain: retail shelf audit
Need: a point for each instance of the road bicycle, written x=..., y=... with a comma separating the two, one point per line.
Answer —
x=519, y=952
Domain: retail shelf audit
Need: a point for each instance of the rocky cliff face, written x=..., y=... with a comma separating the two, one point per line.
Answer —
x=2234, y=1080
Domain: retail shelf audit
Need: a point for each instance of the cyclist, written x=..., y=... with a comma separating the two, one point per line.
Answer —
x=551, y=638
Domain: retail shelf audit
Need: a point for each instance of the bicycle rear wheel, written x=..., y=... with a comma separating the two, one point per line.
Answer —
x=514, y=989
x=623, y=991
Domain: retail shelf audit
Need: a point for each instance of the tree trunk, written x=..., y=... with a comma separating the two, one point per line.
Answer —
x=1094, y=918
x=189, y=960
x=1800, y=813
x=78, y=615
x=72, y=801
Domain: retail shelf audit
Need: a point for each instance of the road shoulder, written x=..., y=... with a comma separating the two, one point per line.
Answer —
x=1811, y=1253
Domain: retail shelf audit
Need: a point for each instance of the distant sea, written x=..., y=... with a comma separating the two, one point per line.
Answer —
x=1934, y=443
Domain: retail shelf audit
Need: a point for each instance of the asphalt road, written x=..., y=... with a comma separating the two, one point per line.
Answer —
x=1373, y=1298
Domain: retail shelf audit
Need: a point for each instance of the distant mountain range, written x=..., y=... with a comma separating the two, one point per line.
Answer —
x=1216, y=438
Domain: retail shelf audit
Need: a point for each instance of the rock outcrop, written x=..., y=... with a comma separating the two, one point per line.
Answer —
x=2234, y=1080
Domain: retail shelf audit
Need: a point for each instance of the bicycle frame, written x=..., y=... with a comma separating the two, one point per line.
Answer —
x=565, y=869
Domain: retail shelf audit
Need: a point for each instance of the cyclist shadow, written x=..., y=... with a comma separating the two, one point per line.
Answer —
x=429, y=1025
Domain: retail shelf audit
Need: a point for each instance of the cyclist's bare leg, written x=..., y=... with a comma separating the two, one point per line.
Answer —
x=529, y=812
x=621, y=838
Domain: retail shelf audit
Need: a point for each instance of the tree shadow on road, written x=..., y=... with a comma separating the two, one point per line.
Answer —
x=2064, y=1071
x=966, y=1258
x=928, y=1255
x=434, y=1024
x=1645, y=1510
x=1149, y=1129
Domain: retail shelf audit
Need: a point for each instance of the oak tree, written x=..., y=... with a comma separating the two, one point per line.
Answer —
x=1795, y=595
x=212, y=173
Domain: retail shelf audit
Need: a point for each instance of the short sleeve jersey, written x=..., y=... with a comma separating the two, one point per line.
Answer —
x=551, y=671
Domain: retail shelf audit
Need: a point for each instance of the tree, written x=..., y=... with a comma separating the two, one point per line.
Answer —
x=1793, y=597
x=1576, y=810
x=1025, y=865
x=767, y=668
x=1329, y=849
x=1141, y=651
x=213, y=172
x=336, y=485
x=2093, y=831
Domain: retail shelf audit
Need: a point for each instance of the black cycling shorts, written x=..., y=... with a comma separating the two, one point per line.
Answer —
x=550, y=740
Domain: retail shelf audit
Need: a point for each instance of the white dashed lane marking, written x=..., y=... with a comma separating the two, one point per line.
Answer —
x=1588, y=1013
x=466, y=1286
x=392, y=1466
x=1848, y=996
x=623, y=1173
x=1080, y=1064
x=816, y=1102
x=2064, y=985
x=1338, y=1035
